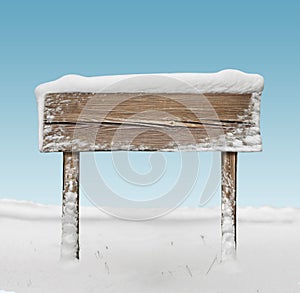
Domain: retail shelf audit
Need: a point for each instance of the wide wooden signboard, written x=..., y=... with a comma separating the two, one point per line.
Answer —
x=153, y=122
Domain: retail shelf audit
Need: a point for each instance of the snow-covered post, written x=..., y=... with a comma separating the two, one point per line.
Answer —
x=70, y=206
x=228, y=207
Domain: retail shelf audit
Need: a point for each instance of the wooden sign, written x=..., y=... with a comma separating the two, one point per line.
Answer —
x=179, y=112
x=154, y=122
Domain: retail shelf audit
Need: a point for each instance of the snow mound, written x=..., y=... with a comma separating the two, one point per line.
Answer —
x=177, y=253
x=27, y=210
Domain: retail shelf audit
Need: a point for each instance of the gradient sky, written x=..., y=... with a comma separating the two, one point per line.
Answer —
x=43, y=40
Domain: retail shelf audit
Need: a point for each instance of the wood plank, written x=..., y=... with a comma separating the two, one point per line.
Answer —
x=88, y=107
x=70, y=207
x=228, y=204
x=160, y=122
x=105, y=137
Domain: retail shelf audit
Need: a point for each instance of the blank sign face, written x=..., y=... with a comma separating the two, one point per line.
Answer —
x=150, y=122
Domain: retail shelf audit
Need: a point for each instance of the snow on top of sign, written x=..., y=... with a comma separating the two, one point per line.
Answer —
x=225, y=81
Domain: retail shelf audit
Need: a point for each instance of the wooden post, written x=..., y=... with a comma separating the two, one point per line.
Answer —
x=70, y=206
x=228, y=205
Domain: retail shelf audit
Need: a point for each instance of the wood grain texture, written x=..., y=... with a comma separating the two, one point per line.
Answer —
x=228, y=204
x=156, y=122
x=70, y=207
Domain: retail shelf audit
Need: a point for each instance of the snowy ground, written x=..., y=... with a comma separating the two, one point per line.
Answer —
x=177, y=253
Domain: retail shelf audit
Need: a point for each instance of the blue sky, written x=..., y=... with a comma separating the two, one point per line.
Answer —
x=41, y=41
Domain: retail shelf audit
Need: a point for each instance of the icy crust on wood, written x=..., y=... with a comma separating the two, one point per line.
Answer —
x=70, y=215
x=228, y=206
